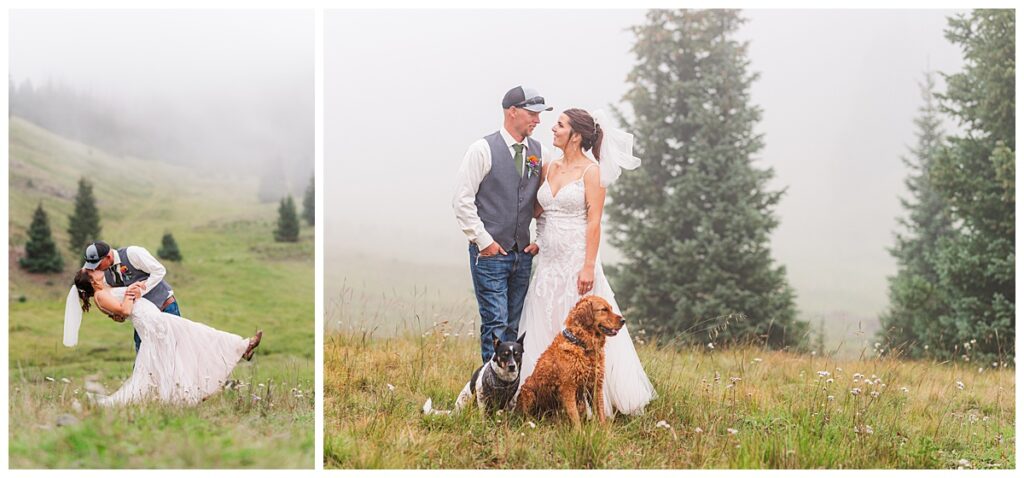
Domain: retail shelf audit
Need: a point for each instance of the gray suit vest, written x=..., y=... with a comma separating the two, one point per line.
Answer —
x=131, y=275
x=505, y=200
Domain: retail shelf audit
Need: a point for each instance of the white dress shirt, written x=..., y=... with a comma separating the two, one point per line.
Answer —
x=143, y=261
x=475, y=166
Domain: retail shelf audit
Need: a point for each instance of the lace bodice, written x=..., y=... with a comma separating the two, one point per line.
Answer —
x=561, y=229
x=118, y=294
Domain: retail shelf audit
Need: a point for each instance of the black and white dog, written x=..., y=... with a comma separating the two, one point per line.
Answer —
x=493, y=384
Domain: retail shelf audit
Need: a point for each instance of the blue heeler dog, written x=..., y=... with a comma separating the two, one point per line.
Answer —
x=493, y=384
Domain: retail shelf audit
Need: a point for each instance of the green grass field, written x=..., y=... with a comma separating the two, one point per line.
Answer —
x=733, y=408
x=234, y=277
x=398, y=333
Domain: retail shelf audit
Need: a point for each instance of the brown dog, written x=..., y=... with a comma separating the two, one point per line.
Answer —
x=571, y=370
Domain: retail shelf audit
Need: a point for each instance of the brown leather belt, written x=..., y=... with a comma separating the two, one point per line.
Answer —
x=167, y=303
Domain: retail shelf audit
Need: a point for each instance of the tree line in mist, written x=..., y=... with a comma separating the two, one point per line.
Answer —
x=151, y=129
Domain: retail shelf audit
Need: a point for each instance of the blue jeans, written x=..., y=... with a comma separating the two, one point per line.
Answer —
x=171, y=309
x=500, y=283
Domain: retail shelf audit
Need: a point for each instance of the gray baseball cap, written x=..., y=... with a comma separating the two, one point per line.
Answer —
x=526, y=98
x=94, y=253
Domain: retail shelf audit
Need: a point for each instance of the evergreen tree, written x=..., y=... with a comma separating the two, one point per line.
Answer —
x=309, y=203
x=975, y=174
x=693, y=222
x=287, y=222
x=914, y=293
x=169, y=249
x=85, y=222
x=41, y=254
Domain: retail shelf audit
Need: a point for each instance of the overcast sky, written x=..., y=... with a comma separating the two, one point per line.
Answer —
x=238, y=83
x=407, y=92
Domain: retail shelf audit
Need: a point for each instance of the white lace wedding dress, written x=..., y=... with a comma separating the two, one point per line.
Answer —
x=561, y=236
x=179, y=362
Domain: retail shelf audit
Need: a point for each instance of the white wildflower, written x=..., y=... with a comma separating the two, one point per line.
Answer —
x=531, y=424
x=904, y=389
x=662, y=424
x=875, y=394
x=732, y=431
x=831, y=398
x=65, y=380
x=391, y=388
x=829, y=381
x=698, y=430
x=711, y=345
x=49, y=379
x=855, y=391
x=757, y=360
x=823, y=373
x=959, y=385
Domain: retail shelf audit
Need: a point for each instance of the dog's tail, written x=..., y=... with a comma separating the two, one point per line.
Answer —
x=428, y=409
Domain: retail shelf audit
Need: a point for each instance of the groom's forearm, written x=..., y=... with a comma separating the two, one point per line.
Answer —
x=475, y=165
x=145, y=261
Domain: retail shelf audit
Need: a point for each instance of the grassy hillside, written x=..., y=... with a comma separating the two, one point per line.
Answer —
x=736, y=408
x=233, y=277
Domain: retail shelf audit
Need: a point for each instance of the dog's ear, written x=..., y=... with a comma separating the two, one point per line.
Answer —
x=584, y=313
x=521, y=339
x=497, y=341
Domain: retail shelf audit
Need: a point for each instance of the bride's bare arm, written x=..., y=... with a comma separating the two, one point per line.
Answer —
x=107, y=302
x=537, y=210
x=594, y=194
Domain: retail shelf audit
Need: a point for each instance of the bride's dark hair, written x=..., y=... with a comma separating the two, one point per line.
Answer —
x=83, y=282
x=584, y=125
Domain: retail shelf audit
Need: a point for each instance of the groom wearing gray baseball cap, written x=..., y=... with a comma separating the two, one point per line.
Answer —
x=128, y=265
x=494, y=203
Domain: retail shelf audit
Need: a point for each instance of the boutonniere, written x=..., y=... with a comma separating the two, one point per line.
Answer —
x=532, y=165
x=124, y=272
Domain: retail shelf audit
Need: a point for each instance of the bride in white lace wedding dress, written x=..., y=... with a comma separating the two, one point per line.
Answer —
x=180, y=361
x=568, y=265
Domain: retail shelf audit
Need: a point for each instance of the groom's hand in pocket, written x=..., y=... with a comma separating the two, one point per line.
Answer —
x=532, y=249
x=493, y=250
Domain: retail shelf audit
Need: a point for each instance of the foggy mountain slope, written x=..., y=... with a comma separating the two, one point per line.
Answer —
x=133, y=194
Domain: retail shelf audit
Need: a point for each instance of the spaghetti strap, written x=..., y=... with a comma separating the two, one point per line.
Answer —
x=587, y=169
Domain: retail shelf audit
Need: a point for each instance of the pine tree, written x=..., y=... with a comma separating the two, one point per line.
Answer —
x=309, y=203
x=41, y=254
x=914, y=293
x=85, y=222
x=975, y=174
x=287, y=222
x=693, y=222
x=169, y=249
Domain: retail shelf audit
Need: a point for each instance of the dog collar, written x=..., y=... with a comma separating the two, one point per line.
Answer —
x=574, y=339
x=497, y=382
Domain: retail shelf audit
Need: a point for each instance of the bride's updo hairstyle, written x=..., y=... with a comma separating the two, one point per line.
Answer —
x=584, y=125
x=85, y=290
